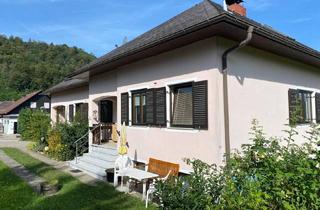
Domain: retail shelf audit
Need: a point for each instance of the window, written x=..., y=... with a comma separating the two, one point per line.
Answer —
x=139, y=107
x=188, y=107
x=71, y=113
x=182, y=105
x=306, y=107
x=300, y=106
x=82, y=111
x=46, y=105
x=33, y=105
x=60, y=114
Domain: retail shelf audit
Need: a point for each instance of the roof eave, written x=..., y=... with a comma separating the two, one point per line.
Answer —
x=293, y=50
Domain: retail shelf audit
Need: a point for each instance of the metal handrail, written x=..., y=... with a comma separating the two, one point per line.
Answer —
x=76, y=143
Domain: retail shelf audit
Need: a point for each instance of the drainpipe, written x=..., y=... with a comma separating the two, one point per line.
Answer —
x=225, y=88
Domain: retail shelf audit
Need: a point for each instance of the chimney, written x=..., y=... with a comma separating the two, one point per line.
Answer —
x=236, y=6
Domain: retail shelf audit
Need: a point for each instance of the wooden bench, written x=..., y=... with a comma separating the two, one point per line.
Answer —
x=162, y=168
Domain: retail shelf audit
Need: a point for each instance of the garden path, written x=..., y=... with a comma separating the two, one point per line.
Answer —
x=34, y=181
x=59, y=165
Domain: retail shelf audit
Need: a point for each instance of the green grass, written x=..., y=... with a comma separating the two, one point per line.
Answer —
x=14, y=192
x=72, y=196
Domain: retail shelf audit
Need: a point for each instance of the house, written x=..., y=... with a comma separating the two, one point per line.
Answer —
x=190, y=87
x=9, y=111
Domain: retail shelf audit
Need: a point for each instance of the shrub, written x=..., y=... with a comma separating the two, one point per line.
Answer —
x=24, y=123
x=62, y=138
x=54, y=143
x=33, y=125
x=270, y=173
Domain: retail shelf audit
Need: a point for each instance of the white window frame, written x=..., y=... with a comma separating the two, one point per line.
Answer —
x=48, y=105
x=33, y=105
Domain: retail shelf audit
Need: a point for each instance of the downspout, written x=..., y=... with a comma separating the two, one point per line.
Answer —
x=225, y=88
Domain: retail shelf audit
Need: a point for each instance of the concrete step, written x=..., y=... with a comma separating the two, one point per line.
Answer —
x=102, y=156
x=92, y=170
x=97, y=162
x=104, y=149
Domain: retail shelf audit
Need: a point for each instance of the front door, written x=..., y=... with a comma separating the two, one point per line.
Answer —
x=106, y=111
x=15, y=128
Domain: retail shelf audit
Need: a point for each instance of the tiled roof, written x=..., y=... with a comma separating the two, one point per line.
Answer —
x=197, y=14
x=4, y=105
x=201, y=13
x=12, y=105
x=67, y=84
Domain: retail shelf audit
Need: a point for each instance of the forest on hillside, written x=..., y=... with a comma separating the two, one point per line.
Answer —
x=26, y=66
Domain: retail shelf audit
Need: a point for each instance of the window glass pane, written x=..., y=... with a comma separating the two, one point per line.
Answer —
x=136, y=109
x=307, y=107
x=46, y=105
x=144, y=108
x=139, y=108
x=33, y=105
x=182, y=106
x=137, y=100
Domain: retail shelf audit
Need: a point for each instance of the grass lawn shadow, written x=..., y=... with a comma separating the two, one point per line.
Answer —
x=73, y=194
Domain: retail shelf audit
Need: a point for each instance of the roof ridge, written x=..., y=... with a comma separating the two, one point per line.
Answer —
x=204, y=6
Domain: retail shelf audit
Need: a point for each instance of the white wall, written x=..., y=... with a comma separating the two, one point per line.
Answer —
x=68, y=97
x=258, y=89
x=8, y=124
x=178, y=66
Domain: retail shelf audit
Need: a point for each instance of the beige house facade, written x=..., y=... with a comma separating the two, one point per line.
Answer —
x=172, y=97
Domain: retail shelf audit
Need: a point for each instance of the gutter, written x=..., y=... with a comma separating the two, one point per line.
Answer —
x=244, y=43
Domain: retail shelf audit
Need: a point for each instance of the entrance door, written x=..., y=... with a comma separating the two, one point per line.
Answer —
x=106, y=111
x=15, y=128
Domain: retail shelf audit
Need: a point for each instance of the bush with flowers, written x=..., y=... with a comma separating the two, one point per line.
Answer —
x=270, y=173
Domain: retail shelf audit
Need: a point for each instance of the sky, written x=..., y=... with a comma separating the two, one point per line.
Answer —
x=98, y=25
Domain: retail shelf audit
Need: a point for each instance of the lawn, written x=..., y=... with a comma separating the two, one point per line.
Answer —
x=14, y=192
x=73, y=195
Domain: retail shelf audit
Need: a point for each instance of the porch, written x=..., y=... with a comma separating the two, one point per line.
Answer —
x=103, y=136
x=104, y=129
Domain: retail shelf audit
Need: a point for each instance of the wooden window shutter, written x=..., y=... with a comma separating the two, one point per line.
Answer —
x=125, y=108
x=160, y=106
x=150, y=109
x=317, y=98
x=200, y=104
x=293, y=105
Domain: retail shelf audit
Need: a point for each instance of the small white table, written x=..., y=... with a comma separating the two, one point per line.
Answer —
x=139, y=175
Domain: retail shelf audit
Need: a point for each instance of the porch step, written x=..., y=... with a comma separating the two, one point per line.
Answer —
x=96, y=161
x=92, y=170
x=101, y=156
x=104, y=149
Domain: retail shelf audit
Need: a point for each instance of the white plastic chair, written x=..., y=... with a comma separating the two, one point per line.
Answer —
x=121, y=163
x=152, y=187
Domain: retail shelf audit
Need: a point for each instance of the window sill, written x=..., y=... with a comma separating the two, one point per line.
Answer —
x=139, y=127
x=184, y=130
x=307, y=124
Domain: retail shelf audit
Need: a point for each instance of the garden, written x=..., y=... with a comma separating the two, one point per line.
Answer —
x=58, y=141
x=270, y=173
x=16, y=194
